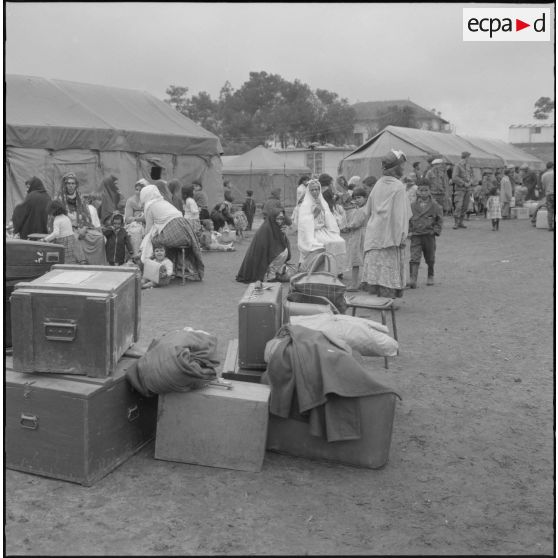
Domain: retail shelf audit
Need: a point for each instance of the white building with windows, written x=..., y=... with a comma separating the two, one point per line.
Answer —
x=537, y=139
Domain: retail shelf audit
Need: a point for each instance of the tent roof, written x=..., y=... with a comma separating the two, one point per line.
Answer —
x=261, y=161
x=372, y=110
x=449, y=145
x=510, y=154
x=56, y=114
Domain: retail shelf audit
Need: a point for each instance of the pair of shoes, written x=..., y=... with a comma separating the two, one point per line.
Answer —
x=455, y=227
x=462, y=226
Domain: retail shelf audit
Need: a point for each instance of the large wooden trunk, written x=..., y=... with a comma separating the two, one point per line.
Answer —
x=76, y=319
x=74, y=428
x=259, y=318
x=25, y=260
x=292, y=436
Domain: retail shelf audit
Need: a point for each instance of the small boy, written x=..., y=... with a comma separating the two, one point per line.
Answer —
x=209, y=239
x=249, y=208
x=425, y=225
x=353, y=233
x=117, y=241
x=166, y=269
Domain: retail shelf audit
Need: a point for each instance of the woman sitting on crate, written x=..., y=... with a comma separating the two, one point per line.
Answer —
x=318, y=229
x=268, y=253
x=165, y=225
x=89, y=247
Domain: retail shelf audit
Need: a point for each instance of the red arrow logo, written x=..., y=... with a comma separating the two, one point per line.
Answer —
x=519, y=25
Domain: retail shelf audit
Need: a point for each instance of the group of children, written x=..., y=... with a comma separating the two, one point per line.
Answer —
x=425, y=225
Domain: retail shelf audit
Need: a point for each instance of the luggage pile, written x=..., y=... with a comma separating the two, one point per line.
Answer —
x=265, y=322
x=70, y=413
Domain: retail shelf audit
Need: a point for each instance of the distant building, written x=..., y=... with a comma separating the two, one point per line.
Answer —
x=324, y=158
x=537, y=139
x=368, y=116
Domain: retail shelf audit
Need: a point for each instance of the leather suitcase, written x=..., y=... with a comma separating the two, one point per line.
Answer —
x=25, y=260
x=371, y=450
x=76, y=319
x=259, y=319
x=214, y=426
x=74, y=428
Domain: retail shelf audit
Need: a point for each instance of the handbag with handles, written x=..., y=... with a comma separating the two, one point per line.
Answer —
x=321, y=283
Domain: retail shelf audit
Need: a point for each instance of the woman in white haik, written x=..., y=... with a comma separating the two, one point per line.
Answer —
x=318, y=229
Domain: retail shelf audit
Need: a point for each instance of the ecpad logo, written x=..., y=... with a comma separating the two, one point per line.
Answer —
x=506, y=24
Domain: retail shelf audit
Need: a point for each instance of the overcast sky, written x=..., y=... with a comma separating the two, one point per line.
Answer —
x=363, y=52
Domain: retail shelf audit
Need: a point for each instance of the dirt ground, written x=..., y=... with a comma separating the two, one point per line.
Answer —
x=471, y=462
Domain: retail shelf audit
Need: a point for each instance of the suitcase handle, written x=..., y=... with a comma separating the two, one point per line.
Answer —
x=30, y=422
x=133, y=413
x=60, y=330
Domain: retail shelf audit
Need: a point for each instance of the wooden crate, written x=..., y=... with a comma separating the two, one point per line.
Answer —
x=74, y=428
x=214, y=426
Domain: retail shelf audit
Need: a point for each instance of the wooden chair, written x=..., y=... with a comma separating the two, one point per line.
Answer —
x=372, y=302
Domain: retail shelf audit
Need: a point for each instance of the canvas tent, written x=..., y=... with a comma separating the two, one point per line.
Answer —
x=417, y=146
x=509, y=154
x=261, y=170
x=54, y=126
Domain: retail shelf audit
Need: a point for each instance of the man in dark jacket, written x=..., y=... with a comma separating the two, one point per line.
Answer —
x=31, y=215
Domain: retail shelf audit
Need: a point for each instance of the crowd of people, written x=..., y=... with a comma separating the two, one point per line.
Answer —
x=159, y=221
x=372, y=228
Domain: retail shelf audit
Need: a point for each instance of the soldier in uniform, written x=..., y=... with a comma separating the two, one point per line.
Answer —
x=462, y=176
x=437, y=178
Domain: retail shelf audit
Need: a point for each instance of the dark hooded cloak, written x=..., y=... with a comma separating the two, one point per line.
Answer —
x=111, y=201
x=268, y=242
x=31, y=215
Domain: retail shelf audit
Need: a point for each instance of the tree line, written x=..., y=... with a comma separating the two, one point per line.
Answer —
x=268, y=107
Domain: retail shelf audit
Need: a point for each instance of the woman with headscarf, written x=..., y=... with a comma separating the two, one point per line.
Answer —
x=31, y=215
x=268, y=252
x=111, y=201
x=90, y=243
x=165, y=225
x=388, y=211
x=318, y=229
x=134, y=219
x=164, y=190
x=175, y=188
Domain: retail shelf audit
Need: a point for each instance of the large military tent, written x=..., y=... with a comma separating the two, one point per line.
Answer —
x=54, y=126
x=417, y=146
x=509, y=154
x=261, y=170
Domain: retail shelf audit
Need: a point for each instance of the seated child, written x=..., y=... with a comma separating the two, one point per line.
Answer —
x=117, y=241
x=209, y=238
x=62, y=232
x=166, y=269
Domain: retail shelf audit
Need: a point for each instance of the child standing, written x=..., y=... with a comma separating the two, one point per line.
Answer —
x=249, y=208
x=353, y=233
x=209, y=239
x=117, y=241
x=62, y=232
x=165, y=268
x=494, y=210
x=425, y=225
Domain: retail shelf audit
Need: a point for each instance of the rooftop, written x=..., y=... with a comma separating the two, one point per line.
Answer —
x=371, y=110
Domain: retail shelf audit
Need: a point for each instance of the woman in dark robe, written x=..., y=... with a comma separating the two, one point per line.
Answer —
x=165, y=192
x=31, y=215
x=268, y=252
x=175, y=188
x=111, y=201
